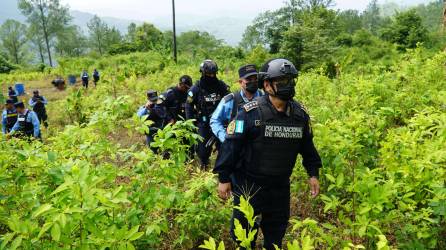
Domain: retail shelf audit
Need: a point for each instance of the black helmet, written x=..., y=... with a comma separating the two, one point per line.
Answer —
x=208, y=66
x=276, y=68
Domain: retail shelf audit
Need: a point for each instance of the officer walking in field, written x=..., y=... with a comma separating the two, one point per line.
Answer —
x=228, y=108
x=9, y=116
x=175, y=99
x=260, y=150
x=84, y=77
x=12, y=94
x=202, y=100
x=38, y=103
x=155, y=112
x=27, y=124
x=95, y=76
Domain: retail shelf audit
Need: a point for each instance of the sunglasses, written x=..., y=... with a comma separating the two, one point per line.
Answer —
x=285, y=82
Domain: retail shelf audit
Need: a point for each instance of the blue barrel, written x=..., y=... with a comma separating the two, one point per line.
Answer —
x=20, y=88
x=72, y=79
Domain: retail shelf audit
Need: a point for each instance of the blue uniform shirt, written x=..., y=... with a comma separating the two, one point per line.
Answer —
x=4, y=118
x=32, y=102
x=143, y=111
x=32, y=118
x=222, y=115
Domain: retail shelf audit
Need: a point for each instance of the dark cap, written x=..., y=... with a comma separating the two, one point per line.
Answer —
x=247, y=71
x=10, y=101
x=19, y=105
x=36, y=92
x=187, y=80
x=152, y=95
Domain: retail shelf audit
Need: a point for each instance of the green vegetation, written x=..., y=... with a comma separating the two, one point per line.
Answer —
x=376, y=92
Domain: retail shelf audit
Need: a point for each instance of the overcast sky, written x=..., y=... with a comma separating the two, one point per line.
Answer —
x=155, y=9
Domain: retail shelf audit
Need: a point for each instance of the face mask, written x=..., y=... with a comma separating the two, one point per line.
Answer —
x=252, y=87
x=210, y=80
x=285, y=89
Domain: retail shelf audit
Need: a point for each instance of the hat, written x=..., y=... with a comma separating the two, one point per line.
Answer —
x=247, y=71
x=19, y=105
x=36, y=92
x=187, y=80
x=152, y=95
x=10, y=101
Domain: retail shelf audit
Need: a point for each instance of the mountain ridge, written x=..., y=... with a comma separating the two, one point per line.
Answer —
x=229, y=29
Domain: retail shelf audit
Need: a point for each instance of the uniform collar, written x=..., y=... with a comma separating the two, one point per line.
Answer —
x=245, y=99
x=288, y=107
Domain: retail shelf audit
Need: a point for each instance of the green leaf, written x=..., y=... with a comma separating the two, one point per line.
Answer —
x=51, y=156
x=330, y=178
x=62, y=187
x=6, y=239
x=42, y=209
x=16, y=243
x=55, y=232
x=45, y=228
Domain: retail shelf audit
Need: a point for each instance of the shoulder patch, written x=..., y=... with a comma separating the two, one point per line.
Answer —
x=231, y=128
x=190, y=97
x=228, y=97
x=250, y=106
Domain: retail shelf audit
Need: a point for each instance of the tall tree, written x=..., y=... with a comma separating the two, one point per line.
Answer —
x=372, y=17
x=131, y=33
x=13, y=39
x=267, y=30
x=112, y=37
x=71, y=42
x=309, y=44
x=407, y=30
x=197, y=41
x=49, y=16
x=148, y=37
x=37, y=41
x=312, y=4
x=98, y=32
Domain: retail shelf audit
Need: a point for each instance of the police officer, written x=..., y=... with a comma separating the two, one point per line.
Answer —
x=95, y=76
x=202, y=100
x=27, y=124
x=38, y=102
x=155, y=112
x=9, y=116
x=260, y=150
x=12, y=94
x=232, y=103
x=175, y=99
x=84, y=77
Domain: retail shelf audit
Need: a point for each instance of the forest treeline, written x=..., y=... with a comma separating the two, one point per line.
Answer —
x=309, y=32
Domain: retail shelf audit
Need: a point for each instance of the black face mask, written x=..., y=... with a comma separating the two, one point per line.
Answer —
x=210, y=80
x=252, y=86
x=285, y=90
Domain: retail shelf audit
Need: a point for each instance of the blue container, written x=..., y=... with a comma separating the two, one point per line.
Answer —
x=72, y=79
x=20, y=88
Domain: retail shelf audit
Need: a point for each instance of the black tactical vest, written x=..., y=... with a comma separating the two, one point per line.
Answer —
x=178, y=107
x=38, y=107
x=275, y=150
x=209, y=101
x=26, y=128
x=11, y=119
